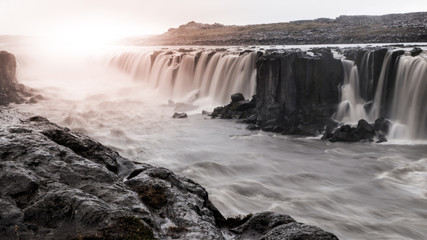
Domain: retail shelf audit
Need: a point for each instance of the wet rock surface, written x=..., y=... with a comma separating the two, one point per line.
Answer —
x=59, y=184
x=296, y=92
x=238, y=108
x=364, y=131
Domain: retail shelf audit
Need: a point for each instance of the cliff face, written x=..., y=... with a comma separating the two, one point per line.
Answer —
x=297, y=93
x=10, y=90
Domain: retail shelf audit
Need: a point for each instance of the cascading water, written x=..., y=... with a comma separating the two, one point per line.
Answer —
x=408, y=108
x=351, y=107
x=377, y=106
x=400, y=94
x=215, y=75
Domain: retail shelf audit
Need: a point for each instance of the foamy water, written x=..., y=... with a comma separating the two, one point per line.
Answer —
x=356, y=191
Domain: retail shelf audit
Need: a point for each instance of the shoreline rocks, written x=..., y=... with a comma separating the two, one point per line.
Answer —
x=59, y=184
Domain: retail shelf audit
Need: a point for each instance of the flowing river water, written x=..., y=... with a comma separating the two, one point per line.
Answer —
x=356, y=191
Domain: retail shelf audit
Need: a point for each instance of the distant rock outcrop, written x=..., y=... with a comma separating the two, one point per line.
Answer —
x=391, y=28
x=10, y=90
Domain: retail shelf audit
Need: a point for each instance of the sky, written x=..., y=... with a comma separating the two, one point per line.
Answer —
x=121, y=18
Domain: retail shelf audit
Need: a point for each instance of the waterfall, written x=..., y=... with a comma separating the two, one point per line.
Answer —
x=351, y=108
x=408, y=108
x=176, y=74
x=400, y=94
x=377, y=110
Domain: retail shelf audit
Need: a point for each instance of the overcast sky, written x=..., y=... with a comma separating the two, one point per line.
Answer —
x=138, y=17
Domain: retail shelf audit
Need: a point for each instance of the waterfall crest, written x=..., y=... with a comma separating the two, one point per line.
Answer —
x=176, y=74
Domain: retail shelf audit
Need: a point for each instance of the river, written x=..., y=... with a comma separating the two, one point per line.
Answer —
x=356, y=191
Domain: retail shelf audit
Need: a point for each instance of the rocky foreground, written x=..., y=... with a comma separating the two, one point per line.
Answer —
x=60, y=184
x=391, y=28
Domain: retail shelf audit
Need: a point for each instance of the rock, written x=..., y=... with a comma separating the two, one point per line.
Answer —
x=381, y=139
x=344, y=134
x=252, y=127
x=179, y=115
x=294, y=231
x=10, y=89
x=382, y=125
x=272, y=226
x=237, y=97
x=297, y=91
x=364, y=130
x=60, y=184
x=241, y=109
x=252, y=119
x=204, y=112
x=416, y=51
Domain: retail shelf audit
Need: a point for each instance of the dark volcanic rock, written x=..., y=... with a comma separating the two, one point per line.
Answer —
x=296, y=231
x=364, y=131
x=382, y=125
x=297, y=93
x=237, y=97
x=60, y=184
x=272, y=226
x=238, y=108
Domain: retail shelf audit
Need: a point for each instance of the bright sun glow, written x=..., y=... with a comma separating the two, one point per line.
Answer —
x=77, y=37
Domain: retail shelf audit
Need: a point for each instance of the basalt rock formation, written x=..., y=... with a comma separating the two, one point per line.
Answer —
x=297, y=93
x=10, y=90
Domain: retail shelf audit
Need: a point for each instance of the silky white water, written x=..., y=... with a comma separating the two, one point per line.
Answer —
x=356, y=191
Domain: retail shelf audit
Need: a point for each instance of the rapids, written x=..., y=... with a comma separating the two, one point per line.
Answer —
x=356, y=191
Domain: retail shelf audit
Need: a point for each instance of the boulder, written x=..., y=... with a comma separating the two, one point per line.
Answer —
x=382, y=125
x=179, y=115
x=241, y=109
x=237, y=97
